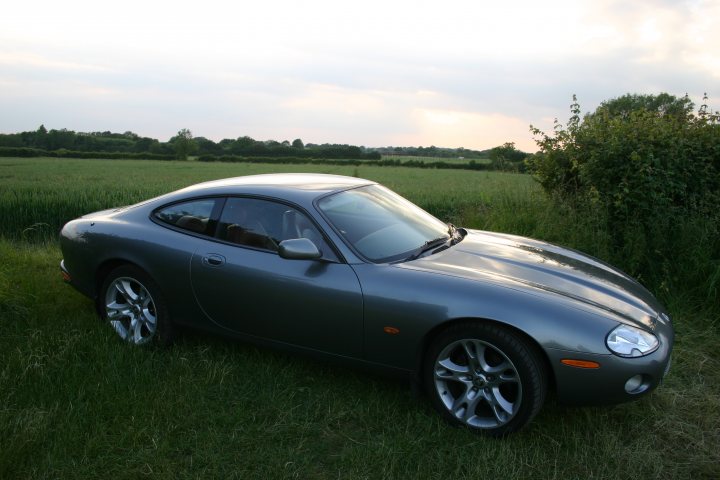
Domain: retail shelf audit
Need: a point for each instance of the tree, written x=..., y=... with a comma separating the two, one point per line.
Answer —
x=637, y=155
x=297, y=143
x=40, y=138
x=184, y=144
x=144, y=144
x=243, y=145
x=662, y=104
x=507, y=157
x=62, y=138
x=207, y=146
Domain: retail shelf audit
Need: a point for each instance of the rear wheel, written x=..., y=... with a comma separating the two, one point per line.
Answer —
x=132, y=303
x=485, y=377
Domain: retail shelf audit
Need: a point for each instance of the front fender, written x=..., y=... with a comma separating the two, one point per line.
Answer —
x=415, y=302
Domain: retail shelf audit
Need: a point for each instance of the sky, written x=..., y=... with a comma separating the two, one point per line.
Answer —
x=472, y=74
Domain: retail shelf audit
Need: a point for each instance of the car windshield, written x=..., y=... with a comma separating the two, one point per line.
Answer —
x=380, y=224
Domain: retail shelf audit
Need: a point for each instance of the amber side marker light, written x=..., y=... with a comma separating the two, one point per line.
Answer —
x=579, y=363
x=391, y=330
x=66, y=276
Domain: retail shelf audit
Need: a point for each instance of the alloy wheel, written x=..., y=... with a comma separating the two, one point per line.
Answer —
x=131, y=311
x=477, y=383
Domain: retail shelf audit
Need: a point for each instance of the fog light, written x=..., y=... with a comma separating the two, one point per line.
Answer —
x=636, y=384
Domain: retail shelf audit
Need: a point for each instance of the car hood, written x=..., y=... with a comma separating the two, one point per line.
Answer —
x=539, y=266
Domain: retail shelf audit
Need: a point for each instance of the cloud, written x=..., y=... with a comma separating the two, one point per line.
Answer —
x=464, y=73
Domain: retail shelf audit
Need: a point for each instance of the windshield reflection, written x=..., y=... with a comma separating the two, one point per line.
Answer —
x=379, y=224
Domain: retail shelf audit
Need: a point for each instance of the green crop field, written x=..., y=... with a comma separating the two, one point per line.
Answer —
x=77, y=403
x=37, y=196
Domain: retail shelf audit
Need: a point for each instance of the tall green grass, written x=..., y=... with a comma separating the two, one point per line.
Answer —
x=37, y=196
x=77, y=403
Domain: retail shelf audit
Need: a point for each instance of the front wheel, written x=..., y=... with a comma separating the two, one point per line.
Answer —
x=485, y=377
x=133, y=305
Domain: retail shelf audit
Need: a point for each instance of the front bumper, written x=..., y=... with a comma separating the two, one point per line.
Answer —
x=617, y=379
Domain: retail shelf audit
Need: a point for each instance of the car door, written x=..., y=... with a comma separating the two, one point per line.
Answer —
x=243, y=285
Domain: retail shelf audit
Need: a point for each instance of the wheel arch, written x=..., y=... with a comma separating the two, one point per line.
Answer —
x=437, y=330
x=165, y=330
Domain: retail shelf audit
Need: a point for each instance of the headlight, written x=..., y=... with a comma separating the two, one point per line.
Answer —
x=628, y=341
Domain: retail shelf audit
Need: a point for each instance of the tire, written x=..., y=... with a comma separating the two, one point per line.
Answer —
x=485, y=377
x=131, y=302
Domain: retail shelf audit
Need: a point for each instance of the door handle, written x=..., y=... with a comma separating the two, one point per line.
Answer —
x=213, y=260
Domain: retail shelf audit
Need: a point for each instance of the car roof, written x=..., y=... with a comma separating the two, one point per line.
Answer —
x=291, y=186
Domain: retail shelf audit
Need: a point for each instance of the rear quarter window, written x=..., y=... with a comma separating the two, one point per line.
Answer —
x=193, y=216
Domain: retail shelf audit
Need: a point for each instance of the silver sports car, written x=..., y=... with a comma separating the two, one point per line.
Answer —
x=346, y=269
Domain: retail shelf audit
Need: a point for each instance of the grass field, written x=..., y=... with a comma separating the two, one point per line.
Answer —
x=77, y=403
x=37, y=196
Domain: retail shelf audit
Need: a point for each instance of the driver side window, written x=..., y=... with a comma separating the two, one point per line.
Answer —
x=263, y=224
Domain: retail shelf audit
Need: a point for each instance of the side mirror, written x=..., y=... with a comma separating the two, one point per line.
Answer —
x=298, y=249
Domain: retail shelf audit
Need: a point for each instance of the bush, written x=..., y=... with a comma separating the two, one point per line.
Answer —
x=651, y=169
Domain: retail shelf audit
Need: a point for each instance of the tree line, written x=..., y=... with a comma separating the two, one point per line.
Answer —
x=65, y=142
x=433, y=151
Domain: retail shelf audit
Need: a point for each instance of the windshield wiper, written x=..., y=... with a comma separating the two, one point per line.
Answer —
x=429, y=245
x=453, y=236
